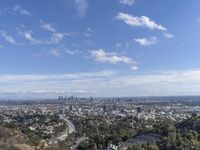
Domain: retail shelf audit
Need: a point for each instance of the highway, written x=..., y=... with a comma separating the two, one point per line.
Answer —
x=70, y=129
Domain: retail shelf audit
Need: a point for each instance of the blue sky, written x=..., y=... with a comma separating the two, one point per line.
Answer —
x=99, y=48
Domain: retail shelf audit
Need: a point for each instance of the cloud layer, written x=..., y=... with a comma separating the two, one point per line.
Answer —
x=105, y=83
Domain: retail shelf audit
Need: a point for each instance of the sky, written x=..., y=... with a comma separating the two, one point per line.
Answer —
x=106, y=48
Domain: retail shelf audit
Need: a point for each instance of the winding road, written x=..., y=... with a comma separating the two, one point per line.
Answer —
x=64, y=134
x=71, y=128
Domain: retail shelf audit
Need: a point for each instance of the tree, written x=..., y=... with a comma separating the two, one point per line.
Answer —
x=94, y=147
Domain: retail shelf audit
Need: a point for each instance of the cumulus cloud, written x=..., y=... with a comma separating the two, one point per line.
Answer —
x=142, y=21
x=28, y=36
x=101, y=56
x=146, y=41
x=21, y=10
x=127, y=2
x=55, y=38
x=7, y=37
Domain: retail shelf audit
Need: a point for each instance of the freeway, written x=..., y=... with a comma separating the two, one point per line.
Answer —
x=71, y=128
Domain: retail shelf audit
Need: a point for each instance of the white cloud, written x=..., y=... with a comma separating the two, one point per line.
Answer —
x=47, y=26
x=142, y=21
x=169, y=35
x=55, y=38
x=146, y=41
x=113, y=58
x=82, y=7
x=7, y=37
x=21, y=10
x=28, y=36
x=127, y=2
